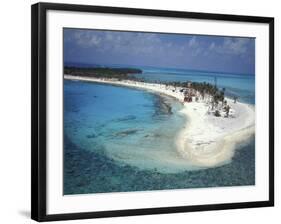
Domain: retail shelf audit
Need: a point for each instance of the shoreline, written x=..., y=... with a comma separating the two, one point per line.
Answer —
x=206, y=140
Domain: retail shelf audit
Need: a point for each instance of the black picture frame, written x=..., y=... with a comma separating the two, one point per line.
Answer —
x=38, y=109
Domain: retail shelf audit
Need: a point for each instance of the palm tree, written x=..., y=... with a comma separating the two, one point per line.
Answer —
x=227, y=109
x=225, y=102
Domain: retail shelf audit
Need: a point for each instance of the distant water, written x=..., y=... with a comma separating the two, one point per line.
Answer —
x=122, y=139
x=241, y=85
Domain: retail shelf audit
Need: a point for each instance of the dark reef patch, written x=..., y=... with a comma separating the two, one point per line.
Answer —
x=93, y=172
x=126, y=118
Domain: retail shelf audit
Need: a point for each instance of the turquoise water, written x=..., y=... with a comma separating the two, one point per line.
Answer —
x=122, y=139
x=242, y=85
x=132, y=126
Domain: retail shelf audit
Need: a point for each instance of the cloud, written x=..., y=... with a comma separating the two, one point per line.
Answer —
x=85, y=38
x=212, y=46
x=133, y=43
x=104, y=41
x=231, y=46
x=193, y=42
x=165, y=49
x=151, y=43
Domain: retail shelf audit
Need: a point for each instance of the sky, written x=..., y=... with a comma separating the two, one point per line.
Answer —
x=182, y=51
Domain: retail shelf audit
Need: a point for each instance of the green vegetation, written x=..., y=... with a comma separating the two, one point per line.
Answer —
x=207, y=88
x=103, y=72
x=217, y=113
x=227, y=110
x=212, y=93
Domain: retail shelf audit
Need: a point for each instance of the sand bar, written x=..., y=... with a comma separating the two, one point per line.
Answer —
x=206, y=140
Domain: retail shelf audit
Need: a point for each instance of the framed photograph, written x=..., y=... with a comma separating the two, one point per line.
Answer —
x=139, y=111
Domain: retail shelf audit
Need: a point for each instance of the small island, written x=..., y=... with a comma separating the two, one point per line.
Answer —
x=214, y=123
x=102, y=72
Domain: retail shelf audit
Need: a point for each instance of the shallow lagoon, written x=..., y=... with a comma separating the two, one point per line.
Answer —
x=121, y=139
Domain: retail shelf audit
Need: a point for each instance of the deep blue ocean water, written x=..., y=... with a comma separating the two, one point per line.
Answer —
x=122, y=139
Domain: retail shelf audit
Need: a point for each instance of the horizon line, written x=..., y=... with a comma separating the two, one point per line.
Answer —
x=135, y=66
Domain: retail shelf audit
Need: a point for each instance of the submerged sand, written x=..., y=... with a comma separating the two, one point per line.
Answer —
x=206, y=140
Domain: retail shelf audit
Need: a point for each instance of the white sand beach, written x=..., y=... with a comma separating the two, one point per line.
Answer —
x=206, y=140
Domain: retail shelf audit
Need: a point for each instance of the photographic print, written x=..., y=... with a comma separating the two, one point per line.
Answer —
x=141, y=111
x=147, y=111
